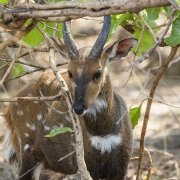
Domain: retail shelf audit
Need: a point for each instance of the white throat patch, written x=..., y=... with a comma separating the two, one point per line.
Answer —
x=106, y=143
x=98, y=106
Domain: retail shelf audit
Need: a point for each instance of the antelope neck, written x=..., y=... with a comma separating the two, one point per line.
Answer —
x=101, y=119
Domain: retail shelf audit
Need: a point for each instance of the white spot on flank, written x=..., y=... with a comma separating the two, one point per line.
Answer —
x=31, y=126
x=26, y=147
x=106, y=143
x=26, y=134
x=97, y=107
x=36, y=102
x=20, y=112
x=39, y=117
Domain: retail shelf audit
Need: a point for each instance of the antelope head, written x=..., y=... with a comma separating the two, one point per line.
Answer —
x=87, y=65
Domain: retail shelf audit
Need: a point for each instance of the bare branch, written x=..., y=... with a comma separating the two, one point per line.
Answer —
x=39, y=98
x=9, y=68
x=71, y=10
x=71, y=153
x=18, y=35
x=149, y=163
x=164, y=67
x=82, y=169
x=36, y=70
x=174, y=4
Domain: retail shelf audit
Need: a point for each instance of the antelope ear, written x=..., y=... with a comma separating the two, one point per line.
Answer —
x=119, y=48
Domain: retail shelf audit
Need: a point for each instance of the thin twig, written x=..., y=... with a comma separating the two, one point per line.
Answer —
x=27, y=98
x=149, y=163
x=28, y=171
x=18, y=35
x=175, y=5
x=23, y=63
x=52, y=108
x=155, y=39
x=36, y=70
x=66, y=156
x=149, y=104
x=135, y=52
x=3, y=66
x=82, y=169
x=9, y=68
x=160, y=40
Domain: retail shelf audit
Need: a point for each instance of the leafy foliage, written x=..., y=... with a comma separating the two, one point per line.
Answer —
x=17, y=70
x=52, y=29
x=174, y=39
x=59, y=130
x=135, y=114
x=153, y=13
x=36, y=37
x=120, y=19
x=4, y=1
x=178, y=1
x=146, y=40
x=139, y=30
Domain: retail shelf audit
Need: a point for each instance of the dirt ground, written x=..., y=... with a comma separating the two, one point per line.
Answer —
x=163, y=132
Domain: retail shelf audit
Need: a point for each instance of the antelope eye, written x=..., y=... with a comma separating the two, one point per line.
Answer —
x=97, y=75
x=70, y=74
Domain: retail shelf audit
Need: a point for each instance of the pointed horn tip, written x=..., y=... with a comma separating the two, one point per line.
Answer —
x=69, y=42
x=97, y=48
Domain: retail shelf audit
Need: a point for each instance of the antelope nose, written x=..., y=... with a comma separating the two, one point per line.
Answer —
x=78, y=109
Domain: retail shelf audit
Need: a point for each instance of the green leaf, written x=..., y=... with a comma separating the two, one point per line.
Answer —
x=34, y=38
x=146, y=40
x=17, y=70
x=59, y=130
x=178, y=1
x=174, y=39
x=119, y=19
x=4, y=1
x=167, y=9
x=153, y=13
x=135, y=114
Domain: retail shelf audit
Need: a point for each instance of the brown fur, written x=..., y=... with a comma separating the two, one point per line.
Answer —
x=36, y=119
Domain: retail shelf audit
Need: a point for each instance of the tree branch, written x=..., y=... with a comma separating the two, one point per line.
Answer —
x=82, y=169
x=39, y=98
x=164, y=67
x=71, y=10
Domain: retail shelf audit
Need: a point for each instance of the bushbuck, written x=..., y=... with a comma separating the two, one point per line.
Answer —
x=103, y=114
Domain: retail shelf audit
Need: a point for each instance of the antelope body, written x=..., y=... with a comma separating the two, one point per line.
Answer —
x=106, y=127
